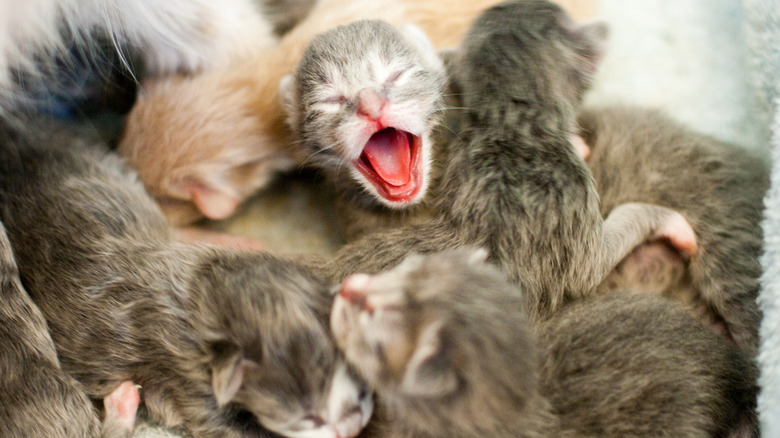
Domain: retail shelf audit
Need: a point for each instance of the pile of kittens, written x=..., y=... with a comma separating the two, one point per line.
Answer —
x=517, y=265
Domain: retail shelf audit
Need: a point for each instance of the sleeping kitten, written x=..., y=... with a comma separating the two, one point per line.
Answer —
x=224, y=343
x=513, y=183
x=169, y=37
x=444, y=341
x=643, y=156
x=203, y=144
x=36, y=397
x=364, y=100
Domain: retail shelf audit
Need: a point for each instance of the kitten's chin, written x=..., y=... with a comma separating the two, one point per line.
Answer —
x=392, y=166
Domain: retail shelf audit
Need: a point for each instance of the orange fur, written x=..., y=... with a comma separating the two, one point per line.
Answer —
x=202, y=144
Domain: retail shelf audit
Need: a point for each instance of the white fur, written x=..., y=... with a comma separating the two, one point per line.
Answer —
x=172, y=35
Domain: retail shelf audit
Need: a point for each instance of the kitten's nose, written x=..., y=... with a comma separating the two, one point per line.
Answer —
x=353, y=290
x=370, y=103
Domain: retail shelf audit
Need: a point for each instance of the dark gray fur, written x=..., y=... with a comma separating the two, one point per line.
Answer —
x=37, y=399
x=615, y=366
x=513, y=183
x=644, y=156
x=124, y=302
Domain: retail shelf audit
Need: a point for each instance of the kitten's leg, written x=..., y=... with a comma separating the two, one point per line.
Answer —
x=121, y=406
x=631, y=224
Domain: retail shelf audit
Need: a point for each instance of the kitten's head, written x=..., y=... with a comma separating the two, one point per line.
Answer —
x=270, y=352
x=364, y=99
x=440, y=331
x=528, y=54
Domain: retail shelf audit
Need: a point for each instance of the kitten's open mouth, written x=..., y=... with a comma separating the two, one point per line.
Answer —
x=391, y=162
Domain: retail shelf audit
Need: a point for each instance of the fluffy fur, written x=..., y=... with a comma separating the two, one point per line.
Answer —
x=168, y=37
x=363, y=102
x=643, y=156
x=205, y=143
x=444, y=341
x=513, y=183
x=37, y=398
x=224, y=343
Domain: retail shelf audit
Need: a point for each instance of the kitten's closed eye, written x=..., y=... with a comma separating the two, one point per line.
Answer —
x=334, y=100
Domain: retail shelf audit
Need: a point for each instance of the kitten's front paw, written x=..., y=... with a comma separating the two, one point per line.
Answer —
x=678, y=231
x=121, y=406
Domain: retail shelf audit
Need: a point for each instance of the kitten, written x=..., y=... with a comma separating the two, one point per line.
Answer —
x=224, y=343
x=169, y=37
x=643, y=156
x=36, y=397
x=445, y=342
x=203, y=144
x=513, y=183
x=364, y=101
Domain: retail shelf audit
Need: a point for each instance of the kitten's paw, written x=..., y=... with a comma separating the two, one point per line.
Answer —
x=582, y=149
x=121, y=406
x=678, y=231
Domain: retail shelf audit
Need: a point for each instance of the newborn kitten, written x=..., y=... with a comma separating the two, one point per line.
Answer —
x=444, y=341
x=170, y=37
x=36, y=397
x=203, y=144
x=643, y=156
x=363, y=101
x=224, y=343
x=514, y=184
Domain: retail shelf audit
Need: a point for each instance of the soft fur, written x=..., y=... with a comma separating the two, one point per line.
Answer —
x=168, y=37
x=643, y=156
x=513, y=183
x=203, y=144
x=220, y=340
x=445, y=343
x=37, y=398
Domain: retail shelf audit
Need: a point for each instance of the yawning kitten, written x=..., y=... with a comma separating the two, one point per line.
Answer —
x=363, y=102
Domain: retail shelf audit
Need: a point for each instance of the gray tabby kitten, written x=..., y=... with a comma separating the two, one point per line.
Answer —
x=445, y=343
x=37, y=399
x=643, y=156
x=513, y=183
x=364, y=101
x=224, y=343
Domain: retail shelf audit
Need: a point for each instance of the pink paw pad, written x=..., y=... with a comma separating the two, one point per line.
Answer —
x=680, y=234
x=122, y=404
x=582, y=149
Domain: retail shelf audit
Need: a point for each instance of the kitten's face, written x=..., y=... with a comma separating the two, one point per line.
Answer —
x=365, y=98
x=395, y=327
x=300, y=388
x=339, y=405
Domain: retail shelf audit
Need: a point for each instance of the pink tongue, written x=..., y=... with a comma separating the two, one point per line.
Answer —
x=389, y=154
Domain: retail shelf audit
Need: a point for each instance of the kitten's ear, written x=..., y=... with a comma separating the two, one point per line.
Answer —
x=288, y=99
x=213, y=201
x=595, y=39
x=429, y=372
x=228, y=369
x=422, y=43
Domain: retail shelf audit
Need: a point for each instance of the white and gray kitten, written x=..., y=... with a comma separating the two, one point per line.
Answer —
x=363, y=101
x=224, y=343
x=445, y=341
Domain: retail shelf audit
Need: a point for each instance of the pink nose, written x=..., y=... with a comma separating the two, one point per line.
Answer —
x=370, y=104
x=353, y=290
